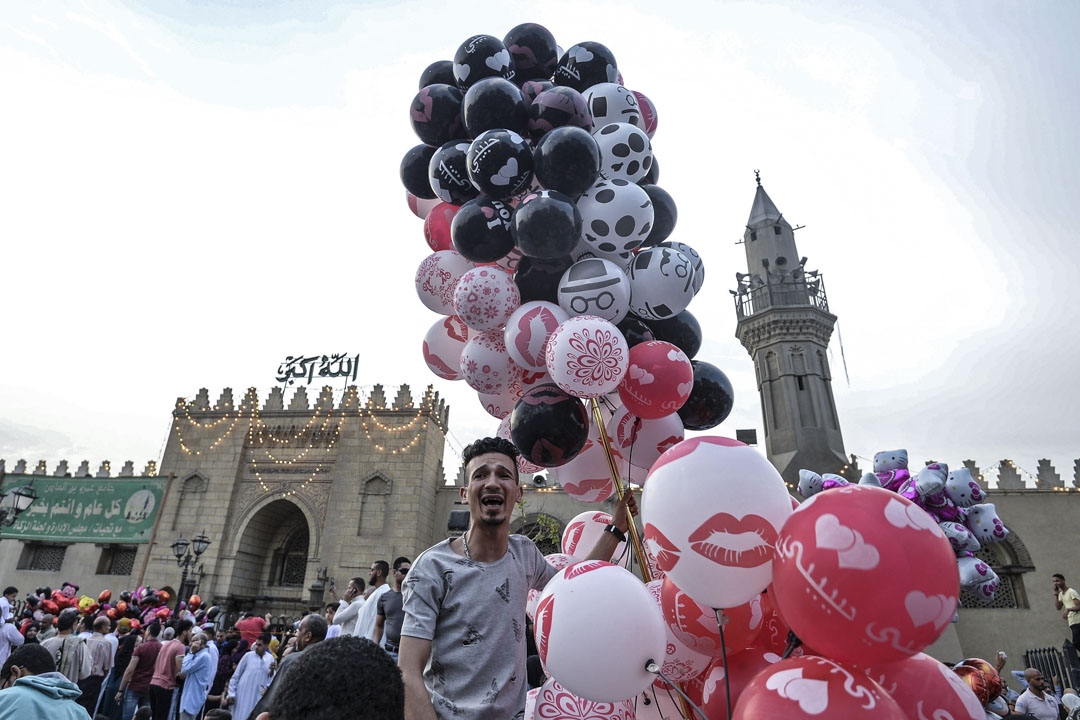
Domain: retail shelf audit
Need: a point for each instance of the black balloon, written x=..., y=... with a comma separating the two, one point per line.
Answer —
x=481, y=230
x=494, y=103
x=440, y=71
x=568, y=160
x=681, y=330
x=531, y=88
x=414, y=171
x=665, y=214
x=534, y=51
x=436, y=114
x=539, y=279
x=635, y=330
x=448, y=175
x=548, y=426
x=652, y=176
x=500, y=163
x=547, y=225
x=585, y=65
x=711, y=399
x=557, y=107
x=479, y=57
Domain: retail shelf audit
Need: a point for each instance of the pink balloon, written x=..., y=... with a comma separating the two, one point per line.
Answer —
x=443, y=344
x=485, y=363
x=437, y=277
x=658, y=380
x=437, y=226
x=696, y=626
x=524, y=466
x=648, y=113
x=924, y=687
x=642, y=442
x=680, y=662
x=813, y=688
x=485, y=297
x=587, y=356
x=528, y=331
x=419, y=206
x=554, y=702
x=864, y=575
x=739, y=671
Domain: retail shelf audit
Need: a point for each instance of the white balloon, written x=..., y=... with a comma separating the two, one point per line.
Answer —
x=580, y=534
x=695, y=260
x=595, y=286
x=587, y=356
x=486, y=365
x=588, y=476
x=529, y=329
x=437, y=278
x=625, y=151
x=616, y=217
x=443, y=344
x=597, y=628
x=610, y=103
x=712, y=509
x=661, y=283
x=643, y=441
x=485, y=297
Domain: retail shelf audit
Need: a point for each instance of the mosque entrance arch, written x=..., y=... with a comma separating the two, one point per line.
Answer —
x=272, y=557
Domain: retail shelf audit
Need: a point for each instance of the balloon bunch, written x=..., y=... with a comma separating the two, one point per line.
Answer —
x=551, y=262
x=952, y=498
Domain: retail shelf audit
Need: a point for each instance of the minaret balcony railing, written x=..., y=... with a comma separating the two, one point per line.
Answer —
x=752, y=300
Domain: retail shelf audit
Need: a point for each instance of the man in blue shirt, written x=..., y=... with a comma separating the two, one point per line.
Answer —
x=197, y=670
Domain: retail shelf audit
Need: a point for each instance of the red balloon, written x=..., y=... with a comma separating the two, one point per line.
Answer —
x=135, y=624
x=743, y=668
x=994, y=685
x=658, y=381
x=419, y=206
x=694, y=625
x=975, y=680
x=864, y=576
x=694, y=687
x=926, y=688
x=121, y=607
x=111, y=613
x=814, y=688
x=194, y=602
x=105, y=596
x=437, y=226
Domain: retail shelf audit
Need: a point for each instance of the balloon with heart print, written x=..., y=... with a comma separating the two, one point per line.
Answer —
x=711, y=509
x=494, y=103
x=547, y=225
x=480, y=229
x=448, y=173
x=436, y=114
x=696, y=626
x=442, y=347
x=661, y=283
x=485, y=297
x=440, y=71
x=499, y=163
x=616, y=217
x=548, y=426
x=554, y=702
x=710, y=401
x=647, y=108
x=534, y=51
x=682, y=330
x=643, y=441
x=479, y=57
x=625, y=151
x=558, y=107
x=437, y=226
x=665, y=214
x=587, y=356
x=595, y=286
x=437, y=278
x=925, y=687
x=528, y=331
x=680, y=662
x=414, y=171
x=610, y=103
x=539, y=279
x=485, y=364
x=658, y=381
x=586, y=64
x=740, y=669
x=836, y=569
x=419, y=206
x=812, y=688
x=567, y=159
x=591, y=652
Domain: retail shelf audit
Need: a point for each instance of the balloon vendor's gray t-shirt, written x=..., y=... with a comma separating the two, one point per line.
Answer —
x=474, y=615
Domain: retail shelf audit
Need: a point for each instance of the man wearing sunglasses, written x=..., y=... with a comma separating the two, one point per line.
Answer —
x=33, y=688
x=390, y=614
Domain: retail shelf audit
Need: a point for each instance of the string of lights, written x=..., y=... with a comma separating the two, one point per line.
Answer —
x=248, y=396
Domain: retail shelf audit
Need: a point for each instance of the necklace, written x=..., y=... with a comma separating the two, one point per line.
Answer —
x=465, y=542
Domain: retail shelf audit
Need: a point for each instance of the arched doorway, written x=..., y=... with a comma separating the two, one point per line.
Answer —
x=272, y=555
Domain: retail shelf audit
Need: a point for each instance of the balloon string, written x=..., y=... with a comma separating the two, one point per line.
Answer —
x=723, y=659
x=793, y=642
x=652, y=667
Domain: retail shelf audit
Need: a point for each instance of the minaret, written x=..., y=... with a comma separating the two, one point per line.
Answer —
x=784, y=323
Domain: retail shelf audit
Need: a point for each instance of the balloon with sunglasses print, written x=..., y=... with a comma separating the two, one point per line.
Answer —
x=414, y=171
x=695, y=260
x=549, y=426
x=436, y=115
x=710, y=401
x=547, y=225
x=682, y=330
x=480, y=229
x=567, y=159
x=534, y=51
x=494, y=103
x=587, y=356
x=539, y=279
x=595, y=286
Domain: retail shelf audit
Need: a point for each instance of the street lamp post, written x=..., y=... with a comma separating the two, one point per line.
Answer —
x=187, y=555
x=15, y=502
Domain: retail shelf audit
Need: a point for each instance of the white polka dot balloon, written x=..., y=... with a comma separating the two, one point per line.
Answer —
x=625, y=151
x=616, y=217
x=485, y=297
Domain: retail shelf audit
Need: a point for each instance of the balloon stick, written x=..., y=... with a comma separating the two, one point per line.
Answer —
x=793, y=642
x=720, y=620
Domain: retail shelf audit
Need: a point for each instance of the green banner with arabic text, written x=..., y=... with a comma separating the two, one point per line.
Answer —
x=98, y=510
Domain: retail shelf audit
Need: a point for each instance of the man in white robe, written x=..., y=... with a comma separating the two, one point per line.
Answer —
x=251, y=678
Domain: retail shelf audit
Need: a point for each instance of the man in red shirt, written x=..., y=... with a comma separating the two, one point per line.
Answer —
x=135, y=685
x=166, y=668
x=252, y=627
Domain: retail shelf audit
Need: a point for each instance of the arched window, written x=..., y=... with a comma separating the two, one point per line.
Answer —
x=1010, y=560
x=374, y=506
x=290, y=560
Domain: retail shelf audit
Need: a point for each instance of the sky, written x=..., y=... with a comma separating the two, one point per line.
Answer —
x=189, y=192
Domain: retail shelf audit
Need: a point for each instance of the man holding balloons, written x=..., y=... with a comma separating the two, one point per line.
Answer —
x=462, y=642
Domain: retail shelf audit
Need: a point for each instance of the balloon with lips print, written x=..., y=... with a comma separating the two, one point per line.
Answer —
x=557, y=561
x=528, y=331
x=524, y=466
x=680, y=661
x=534, y=51
x=591, y=653
x=581, y=533
x=658, y=381
x=813, y=688
x=548, y=426
x=437, y=226
x=835, y=574
x=643, y=441
x=696, y=625
x=442, y=347
x=925, y=688
x=587, y=477
x=436, y=115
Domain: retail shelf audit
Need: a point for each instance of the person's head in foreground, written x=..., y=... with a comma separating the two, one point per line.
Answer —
x=345, y=677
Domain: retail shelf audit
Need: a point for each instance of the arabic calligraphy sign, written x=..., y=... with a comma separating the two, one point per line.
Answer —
x=103, y=510
x=322, y=366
